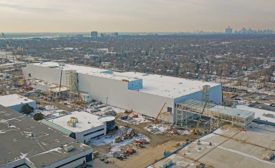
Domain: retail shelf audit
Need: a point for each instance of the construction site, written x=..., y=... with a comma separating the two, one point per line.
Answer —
x=154, y=115
x=143, y=120
x=182, y=129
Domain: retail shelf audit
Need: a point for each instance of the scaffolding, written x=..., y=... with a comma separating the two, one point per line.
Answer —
x=191, y=109
x=72, y=80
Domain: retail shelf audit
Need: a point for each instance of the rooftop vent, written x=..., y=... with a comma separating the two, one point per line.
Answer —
x=28, y=134
x=72, y=122
x=68, y=148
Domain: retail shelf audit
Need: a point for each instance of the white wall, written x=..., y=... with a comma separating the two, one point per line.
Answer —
x=51, y=75
x=116, y=93
x=149, y=104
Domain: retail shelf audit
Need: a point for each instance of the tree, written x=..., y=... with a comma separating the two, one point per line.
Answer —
x=26, y=109
x=38, y=116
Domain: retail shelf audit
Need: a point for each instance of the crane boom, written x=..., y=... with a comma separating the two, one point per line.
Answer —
x=156, y=120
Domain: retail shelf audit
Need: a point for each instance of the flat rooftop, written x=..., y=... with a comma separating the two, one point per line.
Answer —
x=85, y=121
x=165, y=86
x=198, y=106
x=85, y=70
x=232, y=111
x=14, y=99
x=23, y=138
x=168, y=86
x=264, y=115
x=231, y=147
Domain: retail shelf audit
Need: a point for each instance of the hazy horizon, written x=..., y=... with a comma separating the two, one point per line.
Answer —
x=134, y=16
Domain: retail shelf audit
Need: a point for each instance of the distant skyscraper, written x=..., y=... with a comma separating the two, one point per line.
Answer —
x=94, y=34
x=228, y=30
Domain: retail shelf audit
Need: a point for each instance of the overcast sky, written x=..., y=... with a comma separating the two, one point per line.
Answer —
x=134, y=15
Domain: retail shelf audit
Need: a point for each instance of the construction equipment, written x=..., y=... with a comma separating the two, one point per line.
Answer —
x=156, y=121
x=130, y=151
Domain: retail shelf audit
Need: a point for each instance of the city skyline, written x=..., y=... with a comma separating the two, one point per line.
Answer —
x=134, y=16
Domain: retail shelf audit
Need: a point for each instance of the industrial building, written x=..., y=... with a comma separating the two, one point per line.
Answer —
x=81, y=126
x=147, y=94
x=28, y=143
x=15, y=102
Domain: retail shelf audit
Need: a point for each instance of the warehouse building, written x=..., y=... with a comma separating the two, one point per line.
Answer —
x=16, y=102
x=28, y=143
x=144, y=93
x=81, y=126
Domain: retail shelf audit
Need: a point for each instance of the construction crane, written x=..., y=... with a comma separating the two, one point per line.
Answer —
x=157, y=118
x=205, y=99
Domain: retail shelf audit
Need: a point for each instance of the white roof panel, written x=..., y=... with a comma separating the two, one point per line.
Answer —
x=85, y=121
x=85, y=70
x=168, y=86
x=13, y=99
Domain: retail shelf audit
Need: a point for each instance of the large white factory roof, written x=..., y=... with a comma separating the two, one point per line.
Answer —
x=165, y=86
x=85, y=70
x=13, y=99
x=85, y=121
x=168, y=86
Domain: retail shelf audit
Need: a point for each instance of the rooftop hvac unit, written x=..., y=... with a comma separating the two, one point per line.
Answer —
x=74, y=119
x=72, y=122
x=68, y=148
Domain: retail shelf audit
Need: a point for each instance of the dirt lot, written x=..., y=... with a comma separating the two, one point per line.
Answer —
x=146, y=156
x=157, y=139
x=154, y=151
